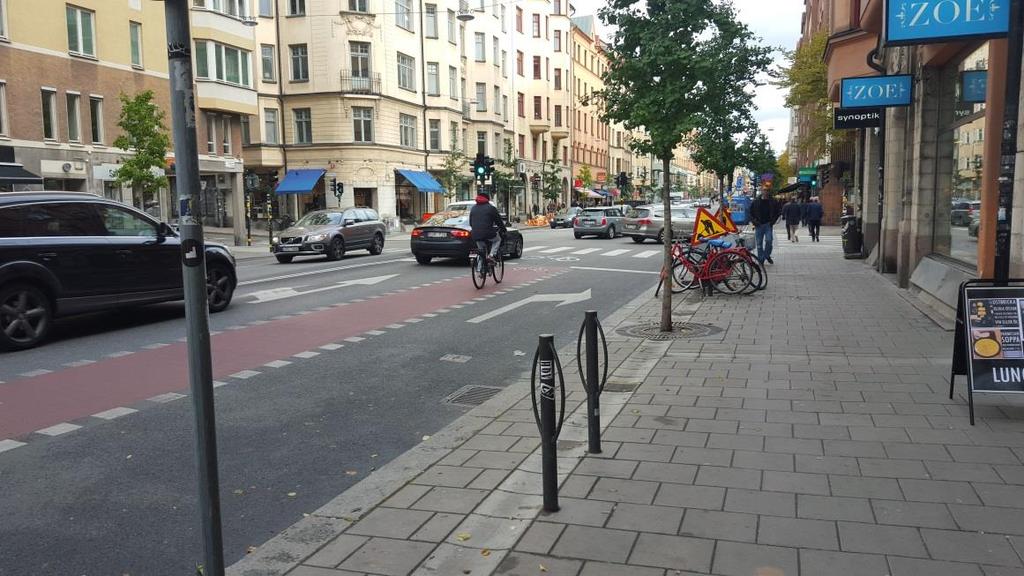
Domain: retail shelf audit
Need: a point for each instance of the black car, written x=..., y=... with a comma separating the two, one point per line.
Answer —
x=67, y=253
x=446, y=235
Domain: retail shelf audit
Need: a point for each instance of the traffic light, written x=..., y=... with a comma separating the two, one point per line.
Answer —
x=480, y=166
x=826, y=175
x=334, y=186
x=489, y=165
x=621, y=180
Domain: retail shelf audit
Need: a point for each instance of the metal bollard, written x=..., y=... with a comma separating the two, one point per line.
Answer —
x=547, y=359
x=591, y=328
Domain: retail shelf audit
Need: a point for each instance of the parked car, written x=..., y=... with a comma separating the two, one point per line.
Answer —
x=68, y=253
x=564, y=217
x=446, y=235
x=648, y=222
x=962, y=210
x=972, y=228
x=606, y=222
x=331, y=233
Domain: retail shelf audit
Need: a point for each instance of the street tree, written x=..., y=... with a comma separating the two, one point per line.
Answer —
x=551, y=179
x=805, y=79
x=784, y=168
x=756, y=154
x=144, y=135
x=586, y=179
x=504, y=178
x=453, y=173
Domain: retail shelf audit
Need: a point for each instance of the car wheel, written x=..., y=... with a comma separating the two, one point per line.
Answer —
x=336, y=250
x=377, y=245
x=611, y=232
x=424, y=259
x=638, y=239
x=219, y=286
x=577, y=235
x=661, y=236
x=284, y=259
x=517, y=250
x=25, y=316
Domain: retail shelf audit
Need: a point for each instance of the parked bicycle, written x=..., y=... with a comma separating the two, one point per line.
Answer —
x=717, y=264
x=480, y=267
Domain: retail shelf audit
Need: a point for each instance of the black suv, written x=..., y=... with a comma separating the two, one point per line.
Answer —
x=66, y=253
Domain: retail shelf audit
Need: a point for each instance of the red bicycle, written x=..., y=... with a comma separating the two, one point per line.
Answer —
x=715, y=263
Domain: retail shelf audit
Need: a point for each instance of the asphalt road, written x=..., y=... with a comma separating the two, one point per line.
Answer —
x=330, y=369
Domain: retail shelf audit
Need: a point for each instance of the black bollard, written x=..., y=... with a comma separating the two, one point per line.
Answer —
x=549, y=427
x=593, y=391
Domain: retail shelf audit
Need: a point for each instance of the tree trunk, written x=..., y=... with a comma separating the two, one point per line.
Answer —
x=730, y=188
x=666, y=291
x=721, y=189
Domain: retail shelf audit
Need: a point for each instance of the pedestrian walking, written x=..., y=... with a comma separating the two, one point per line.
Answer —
x=793, y=214
x=764, y=213
x=814, y=213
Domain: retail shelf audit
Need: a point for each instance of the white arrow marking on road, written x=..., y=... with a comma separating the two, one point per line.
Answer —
x=563, y=299
x=282, y=293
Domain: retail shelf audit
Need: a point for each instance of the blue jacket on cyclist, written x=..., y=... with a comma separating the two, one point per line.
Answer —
x=484, y=219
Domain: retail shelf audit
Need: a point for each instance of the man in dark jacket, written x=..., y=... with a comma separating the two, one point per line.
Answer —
x=764, y=213
x=793, y=212
x=486, y=226
x=814, y=213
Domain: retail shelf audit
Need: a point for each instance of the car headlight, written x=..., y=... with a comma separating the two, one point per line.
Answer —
x=316, y=237
x=275, y=240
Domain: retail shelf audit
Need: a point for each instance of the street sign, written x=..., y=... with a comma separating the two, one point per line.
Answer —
x=877, y=91
x=562, y=300
x=843, y=119
x=706, y=227
x=724, y=216
x=931, y=21
x=973, y=85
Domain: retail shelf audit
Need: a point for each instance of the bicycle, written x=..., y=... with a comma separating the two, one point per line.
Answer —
x=714, y=264
x=479, y=270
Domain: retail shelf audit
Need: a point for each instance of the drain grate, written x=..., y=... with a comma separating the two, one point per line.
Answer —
x=680, y=331
x=472, y=395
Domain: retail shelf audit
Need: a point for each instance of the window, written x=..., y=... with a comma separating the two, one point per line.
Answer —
x=358, y=6
x=362, y=124
x=519, y=20
x=519, y=63
x=74, y=115
x=300, y=63
x=135, y=43
x=406, y=72
x=81, y=31
x=270, y=125
x=360, y=56
x=96, y=119
x=49, y=115
x=3, y=106
x=434, y=134
x=522, y=145
x=504, y=64
x=231, y=64
x=296, y=7
x=558, y=6
x=243, y=122
x=407, y=130
x=454, y=135
x=403, y=14
x=453, y=83
x=3, y=19
x=202, y=61
x=430, y=26
x=536, y=68
x=497, y=100
x=433, y=79
x=452, y=28
x=504, y=108
x=481, y=97
x=503, y=18
x=480, y=47
x=267, y=8
x=481, y=143
x=225, y=135
x=303, y=126
x=536, y=25
x=119, y=222
x=538, y=110
x=558, y=78
x=558, y=115
x=496, y=56
x=521, y=105
x=267, y=62
x=211, y=134
x=558, y=40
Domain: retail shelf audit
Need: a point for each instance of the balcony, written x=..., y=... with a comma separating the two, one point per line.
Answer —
x=538, y=125
x=363, y=84
x=465, y=109
x=226, y=97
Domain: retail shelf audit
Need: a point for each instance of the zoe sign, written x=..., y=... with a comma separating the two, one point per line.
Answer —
x=926, y=21
x=876, y=91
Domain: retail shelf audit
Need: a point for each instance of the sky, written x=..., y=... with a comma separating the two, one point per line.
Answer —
x=778, y=24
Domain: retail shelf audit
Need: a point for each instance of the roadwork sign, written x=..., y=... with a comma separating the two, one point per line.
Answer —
x=706, y=227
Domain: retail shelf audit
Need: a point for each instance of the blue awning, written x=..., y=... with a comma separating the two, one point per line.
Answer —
x=421, y=180
x=300, y=181
x=601, y=192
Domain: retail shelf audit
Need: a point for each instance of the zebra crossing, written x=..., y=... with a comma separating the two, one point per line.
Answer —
x=571, y=251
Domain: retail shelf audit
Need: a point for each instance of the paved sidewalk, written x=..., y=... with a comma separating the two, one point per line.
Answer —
x=812, y=435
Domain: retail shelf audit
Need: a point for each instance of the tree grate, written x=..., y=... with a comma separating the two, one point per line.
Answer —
x=680, y=331
x=472, y=395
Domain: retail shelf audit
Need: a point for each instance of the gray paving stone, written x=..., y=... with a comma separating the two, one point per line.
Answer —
x=797, y=533
x=616, y=490
x=712, y=426
x=390, y=523
x=797, y=482
x=962, y=471
x=777, y=429
x=616, y=434
x=577, y=486
x=1011, y=474
x=589, y=543
x=917, y=567
x=969, y=547
x=645, y=452
x=605, y=569
x=759, y=502
x=834, y=508
x=488, y=479
x=673, y=552
x=679, y=438
x=388, y=557
x=842, y=465
x=842, y=563
x=540, y=537
x=875, y=539
x=858, y=487
x=710, y=456
x=639, y=518
x=916, y=451
x=492, y=459
x=579, y=511
x=924, y=514
x=854, y=448
x=437, y=528
x=890, y=468
x=451, y=476
x=763, y=461
x=793, y=445
x=1007, y=495
x=336, y=551
x=871, y=433
x=685, y=496
x=407, y=496
x=738, y=559
x=520, y=564
x=988, y=519
x=661, y=472
x=728, y=477
x=718, y=525
x=983, y=454
x=938, y=491
x=489, y=442
x=605, y=468
x=821, y=432
x=735, y=442
x=314, y=571
x=457, y=500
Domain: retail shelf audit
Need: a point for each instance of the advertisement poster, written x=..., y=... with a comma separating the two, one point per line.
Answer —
x=995, y=338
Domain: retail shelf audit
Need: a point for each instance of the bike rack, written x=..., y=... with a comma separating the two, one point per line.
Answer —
x=592, y=328
x=547, y=358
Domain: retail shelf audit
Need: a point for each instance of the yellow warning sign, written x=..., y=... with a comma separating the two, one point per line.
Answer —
x=706, y=227
x=724, y=215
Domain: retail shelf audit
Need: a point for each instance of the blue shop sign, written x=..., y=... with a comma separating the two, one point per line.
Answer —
x=929, y=21
x=973, y=84
x=877, y=91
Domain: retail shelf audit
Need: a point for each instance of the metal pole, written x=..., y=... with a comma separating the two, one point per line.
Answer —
x=548, y=439
x=881, y=186
x=248, y=218
x=593, y=385
x=1008, y=150
x=200, y=371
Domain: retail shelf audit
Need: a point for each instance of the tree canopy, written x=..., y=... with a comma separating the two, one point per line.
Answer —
x=805, y=79
x=144, y=134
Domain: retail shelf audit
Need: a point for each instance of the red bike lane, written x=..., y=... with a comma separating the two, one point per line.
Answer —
x=38, y=402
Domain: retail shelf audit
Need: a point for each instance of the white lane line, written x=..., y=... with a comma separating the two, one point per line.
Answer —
x=218, y=383
x=123, y=353
x=165, y=398
x=78, y=363
x=443, y=311
x=586, y=251
x=307, y=354
x=159, y=345
x=277, y=364
x=456, y=306
x=412, y=320
x=375, y=332
x=321, y=271
x=114, y=413
x=429, y=315
x=555, y=250
x=236, y=327
x=647, y=254
x=615, y=252
x=395, y=326
x=244, y=374
x=33, y=373
x=58, y=429
x=6, y=445
x=532, y=248
x=354, y=339
x=595, y=269
x=332, y=346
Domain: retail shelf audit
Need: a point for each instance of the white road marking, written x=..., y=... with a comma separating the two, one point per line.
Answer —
x=114, y=413
x=261, y=296
x=159, y=345
x=6, y=445
x=78, y=363
x=586, y=251
x=33, y=373
x=123, y=353
x=332, y=346
x=375, y=332
x=456, y=306
x=395, y=326
x=613, y=270
x=58, y=429
x=307, y=354
x=562, y=300
x=218, y=383
x=164, y=398
x=236, y=327
x=457, y=358
x=442, y=311
x=429, y=315
x=354, y=339
x=532, y=248
x=244, y=374
x=647, y=253
x=555, y=250
x=277, y=364
x=615, y=252
x=320, y=271
x=412, y=320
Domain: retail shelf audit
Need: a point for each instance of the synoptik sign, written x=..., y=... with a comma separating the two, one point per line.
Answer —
x=876, y=91
x=926, y=21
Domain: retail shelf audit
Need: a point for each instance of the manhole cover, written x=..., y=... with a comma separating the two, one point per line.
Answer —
x=472, y=395
x=680, y=331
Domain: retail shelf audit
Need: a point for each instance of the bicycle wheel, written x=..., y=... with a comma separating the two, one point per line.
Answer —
x=478, y=270
x=498, y=270
x=730, y=273
x=682, y=278
x=756, y=277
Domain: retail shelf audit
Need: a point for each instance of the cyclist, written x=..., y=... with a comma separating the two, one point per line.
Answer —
x=487, y=227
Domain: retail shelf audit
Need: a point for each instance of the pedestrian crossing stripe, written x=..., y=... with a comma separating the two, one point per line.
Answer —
x=706, y=227
x=532, y=248
x=586, y=251
x=647, y=254
x=724, y=215
x=614, y=252
x=556, y=249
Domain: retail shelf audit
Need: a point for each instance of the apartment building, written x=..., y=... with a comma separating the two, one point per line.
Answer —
x=590, y=133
